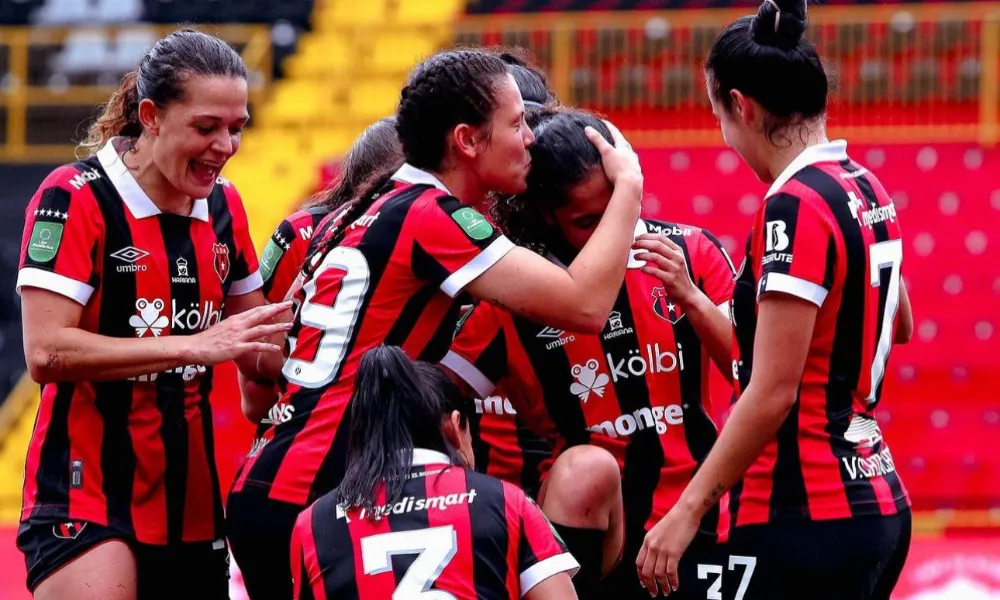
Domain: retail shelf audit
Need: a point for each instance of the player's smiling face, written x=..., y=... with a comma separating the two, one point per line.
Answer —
x=504, y=160
x=200, y=133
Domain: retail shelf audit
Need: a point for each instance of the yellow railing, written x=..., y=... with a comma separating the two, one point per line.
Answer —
x=40, y=115
x=903, y=72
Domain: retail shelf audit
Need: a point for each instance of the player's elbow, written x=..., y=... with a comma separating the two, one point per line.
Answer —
x=43, y=364
x=587, y=321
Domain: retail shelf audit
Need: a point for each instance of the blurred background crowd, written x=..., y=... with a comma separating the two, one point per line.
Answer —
x=917, y=96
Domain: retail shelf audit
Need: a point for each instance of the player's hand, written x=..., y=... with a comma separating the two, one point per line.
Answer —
x=662, y=549
x=240, y=334
x=620, y=160
x=665, y=261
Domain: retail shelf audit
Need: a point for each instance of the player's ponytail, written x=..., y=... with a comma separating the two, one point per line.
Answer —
x=561, y=158
x=119, y=117
x=395, y=408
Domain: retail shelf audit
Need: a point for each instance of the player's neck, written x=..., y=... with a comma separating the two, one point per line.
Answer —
x=465, y=186
x=779, y=157
x=164, y=195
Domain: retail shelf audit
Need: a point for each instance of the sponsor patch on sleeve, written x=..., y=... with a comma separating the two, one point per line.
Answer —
x=44, y=242
x=472, y=223
x=269, y=258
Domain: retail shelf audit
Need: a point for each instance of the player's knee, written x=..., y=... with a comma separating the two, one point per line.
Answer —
x=584, y=486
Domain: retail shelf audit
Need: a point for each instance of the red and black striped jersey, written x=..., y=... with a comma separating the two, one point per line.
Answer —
x=396, y=278
x=453, y=534
x=282, y=258
x=640, y=388
x=505, y=447
x=136, y=454
x=827, y=233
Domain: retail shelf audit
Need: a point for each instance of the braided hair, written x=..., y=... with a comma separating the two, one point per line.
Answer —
x=444, y=91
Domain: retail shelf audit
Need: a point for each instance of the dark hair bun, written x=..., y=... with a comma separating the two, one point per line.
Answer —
x=779, y=23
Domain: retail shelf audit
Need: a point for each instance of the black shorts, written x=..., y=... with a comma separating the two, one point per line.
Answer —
x=696, y=582
x=260, y=534
x=848, y=559
x=189, y=570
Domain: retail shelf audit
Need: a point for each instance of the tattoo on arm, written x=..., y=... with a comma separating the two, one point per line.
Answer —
x=714, y=495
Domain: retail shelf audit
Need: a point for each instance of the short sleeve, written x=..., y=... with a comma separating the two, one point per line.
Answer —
x=796, y=249
x=714, y=271
x=61, y=238
x=541, y=553
x=479, y=353
x=246, y=270
x=282, y=257
x=303, y=555
x=456, y=244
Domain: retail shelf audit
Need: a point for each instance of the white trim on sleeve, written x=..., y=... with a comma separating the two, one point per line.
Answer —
x=541, y=571
x=724, y=309
x=468, y=371
x=796, y=286
x=246, y=285
x=490, y=256
x=54, y=282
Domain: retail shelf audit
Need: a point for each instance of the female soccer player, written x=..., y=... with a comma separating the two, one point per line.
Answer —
x=391, y=270
x=631, y=402
x=818, y=508
x=505, y=448
x=375, y=155
x=130, y=260
x=411, y=516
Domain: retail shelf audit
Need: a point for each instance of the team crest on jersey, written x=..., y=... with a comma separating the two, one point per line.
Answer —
x=221, y=261
x=69, y=530
x=664, y=307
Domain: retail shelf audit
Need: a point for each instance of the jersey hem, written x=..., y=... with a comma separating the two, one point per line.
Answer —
x=867, y=509
x=796, y=286
x=490, y=256
x=542, y=570
x=469, y=373
x=54, y=282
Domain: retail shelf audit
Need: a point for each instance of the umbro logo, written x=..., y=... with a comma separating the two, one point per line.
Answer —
x=558, y=337
x=551, y=333
x=130, y=255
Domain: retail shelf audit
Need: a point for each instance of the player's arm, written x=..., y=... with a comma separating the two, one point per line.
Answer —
x=708, y=315
x=580, y=297
x=56, y=349
x=904, y=330
x=256, y=397
x=478, y=357
x=542, y=556
x=557, y=587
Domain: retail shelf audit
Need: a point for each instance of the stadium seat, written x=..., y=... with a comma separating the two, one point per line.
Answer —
x=374, y=99
x=84, y=51
x=421, y=13
x=348, y=13
x=321, y=55
x=398, y=52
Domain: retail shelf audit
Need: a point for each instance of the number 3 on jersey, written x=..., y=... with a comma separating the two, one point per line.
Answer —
x=345, y=271
x=434, y=547
x=881, y=256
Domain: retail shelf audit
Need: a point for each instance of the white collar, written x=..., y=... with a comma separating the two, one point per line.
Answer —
x=423, y=457
x=834, y=151
x=412, y=175
x=137, y=201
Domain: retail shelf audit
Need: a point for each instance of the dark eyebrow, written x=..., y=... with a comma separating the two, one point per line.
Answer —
x=214, y=118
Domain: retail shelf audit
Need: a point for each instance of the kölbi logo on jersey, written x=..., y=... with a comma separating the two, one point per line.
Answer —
x=636, y=364
x=150, y=321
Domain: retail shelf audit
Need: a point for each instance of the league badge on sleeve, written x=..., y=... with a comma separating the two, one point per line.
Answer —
x=221, y=261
